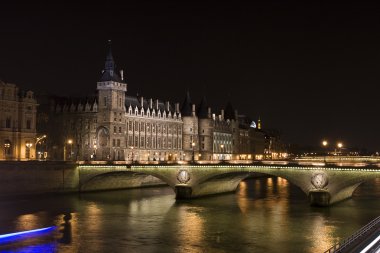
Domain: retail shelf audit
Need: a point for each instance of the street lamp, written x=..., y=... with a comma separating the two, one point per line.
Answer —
x=7, y=146
x=324, y=144
x=193, y=145
x=221, y=151
x=132, y=153
x=38, y=141
x=94, y=154
x=27, y=151
x=340, y=145
x=70, y=142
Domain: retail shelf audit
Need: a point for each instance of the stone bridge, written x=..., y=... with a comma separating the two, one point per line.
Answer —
x=323, y=185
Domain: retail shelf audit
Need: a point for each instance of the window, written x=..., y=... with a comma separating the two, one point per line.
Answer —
x=136, y=141
x=8, y=122
x=130, y=141
x=114, y=129
x=118, y=142
x=28, y=124
x=113, y=142
x=119, y=129
x=142, y=142
x=105, y=101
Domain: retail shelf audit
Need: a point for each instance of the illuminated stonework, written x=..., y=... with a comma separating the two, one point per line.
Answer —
x=183, y=176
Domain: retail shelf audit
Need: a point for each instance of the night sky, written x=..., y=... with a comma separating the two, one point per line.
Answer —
x=310, y=70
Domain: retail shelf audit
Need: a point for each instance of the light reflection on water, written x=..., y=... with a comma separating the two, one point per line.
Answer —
x=264, y=215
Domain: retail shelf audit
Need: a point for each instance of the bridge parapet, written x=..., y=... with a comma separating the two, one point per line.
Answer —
x=323, y=185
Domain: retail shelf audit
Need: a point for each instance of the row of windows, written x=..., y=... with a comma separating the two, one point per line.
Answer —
x=156, y=143
x=8, y=123
x=135, y=126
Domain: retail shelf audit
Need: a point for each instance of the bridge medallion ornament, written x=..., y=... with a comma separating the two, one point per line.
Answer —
x=319, y=180
x=183, y=176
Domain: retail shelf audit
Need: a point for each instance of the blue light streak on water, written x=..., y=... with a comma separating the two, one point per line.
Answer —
x=40, y=248
x=6, y=238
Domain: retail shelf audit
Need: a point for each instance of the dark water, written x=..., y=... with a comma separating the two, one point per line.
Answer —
x=264, y=215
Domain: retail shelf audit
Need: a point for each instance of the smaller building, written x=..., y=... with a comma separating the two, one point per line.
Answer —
x=17, y=123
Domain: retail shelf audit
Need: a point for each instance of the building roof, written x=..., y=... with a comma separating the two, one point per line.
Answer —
x=203, y=109
x=229, y=112
x=186, y=109
x=109, y=72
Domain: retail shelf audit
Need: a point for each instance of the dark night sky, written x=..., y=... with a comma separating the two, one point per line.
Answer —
x=310, y=70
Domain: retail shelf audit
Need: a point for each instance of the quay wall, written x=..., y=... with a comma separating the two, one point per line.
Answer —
x=23, y=178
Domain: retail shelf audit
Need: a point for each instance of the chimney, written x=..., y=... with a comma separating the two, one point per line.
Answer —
x=122, y=75
x=142, y=101
x=177, y=107
x=150, y=103
x=193, y=109
x=209, y=112
x=156, y=104
x=222, y=114
x=167, y=106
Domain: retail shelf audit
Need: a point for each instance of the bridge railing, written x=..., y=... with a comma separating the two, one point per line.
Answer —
x=349, y=240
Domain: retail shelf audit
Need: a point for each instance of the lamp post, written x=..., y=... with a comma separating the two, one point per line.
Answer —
x=27, y=150
x=38, y=140
x=222, y=151
x=324, y=144
x=7, y=146
x=94, y=155
x=193, y=145
x=340, y=145
x=70, y=142
x=132, y=153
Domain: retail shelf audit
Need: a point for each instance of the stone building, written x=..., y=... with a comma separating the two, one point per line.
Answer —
x=111, y=125
x=17, y=123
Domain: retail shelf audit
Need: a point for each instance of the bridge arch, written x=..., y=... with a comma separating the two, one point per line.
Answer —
x=323, y=185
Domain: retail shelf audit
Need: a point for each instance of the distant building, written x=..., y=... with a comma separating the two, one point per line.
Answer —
x=111, y=125
x=17, y=123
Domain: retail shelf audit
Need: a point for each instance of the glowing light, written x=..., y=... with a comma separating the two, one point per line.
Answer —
x=17, y=235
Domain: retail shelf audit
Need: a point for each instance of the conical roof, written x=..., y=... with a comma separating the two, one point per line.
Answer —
x=203, y=109
x=229, y=112
x=109, y=72
x=186, y=109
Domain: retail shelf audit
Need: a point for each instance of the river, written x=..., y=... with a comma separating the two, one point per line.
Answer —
x=263, y=215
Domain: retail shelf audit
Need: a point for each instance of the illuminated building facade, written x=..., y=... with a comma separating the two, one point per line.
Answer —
x=111, y=125
x=17, y=123
x=114, y=126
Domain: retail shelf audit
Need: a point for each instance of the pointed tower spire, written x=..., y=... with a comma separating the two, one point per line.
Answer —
x=109, y=73
x=186, y=109
x=229, y=112
x=110, y=63
x=203, y=109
